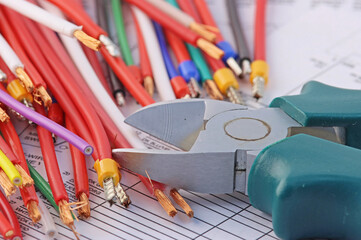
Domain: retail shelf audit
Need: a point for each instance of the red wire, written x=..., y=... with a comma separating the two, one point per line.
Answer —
x=50, y=161
x=207, y=17
x=56, y=114
x=10, y=215
x=94, y=62
x=8, y=151
x=126, y=77
x=79, y=165
x=5, y=226
x=188, y=7
x=76, y=12
x=62, y=54
x=8, y=33
x=179, y=49
x=145, y=66
x=260, y=31
x=99, y=135
x=23, y=35
x=9, y=74
x=166, y=21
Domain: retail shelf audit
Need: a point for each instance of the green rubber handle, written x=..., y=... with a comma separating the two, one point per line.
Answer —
x=310, y=186
x=325, y=106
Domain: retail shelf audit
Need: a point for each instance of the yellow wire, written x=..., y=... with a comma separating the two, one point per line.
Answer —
x=10, y=169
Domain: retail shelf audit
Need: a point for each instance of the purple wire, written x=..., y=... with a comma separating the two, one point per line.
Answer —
x=45, y=122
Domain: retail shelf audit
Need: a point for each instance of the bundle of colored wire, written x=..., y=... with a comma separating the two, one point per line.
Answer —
x=80, y=176
x=57, y=24
x=178, y=83
x=241, y=43
x=145, y=64
x=14, y=63
x=46, y=123
x=155, y=56
x=201, y=64
x=116, y=63
x=181, y=31
x=62, y=54
x=184, y=19
x=186, y=66
x=53, y=173
x=230, y=56
x=106, y=21
x=223, y=77
x=11, y=217
x=6, y=230
x=43, y=186
x=122, y=36
x=259, y=75
x=27, y=193
x=47, y=221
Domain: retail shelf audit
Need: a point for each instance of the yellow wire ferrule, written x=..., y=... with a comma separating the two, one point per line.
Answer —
x=225, y=79
x=107, y=168
x=18, y=91
x=259, y=69
x=8, y=167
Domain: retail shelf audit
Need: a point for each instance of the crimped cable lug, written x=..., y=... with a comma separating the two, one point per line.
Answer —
x=119, y=98
x=3, y=76
x=258, y=87
x=112, y=48
x=109, y=190
x=246, y=67
x=194, y=88
x=234, y=96
x=232, y=63
x=122, y=195
x=17, y=115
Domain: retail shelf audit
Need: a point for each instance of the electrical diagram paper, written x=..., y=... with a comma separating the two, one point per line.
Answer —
x=216, y=216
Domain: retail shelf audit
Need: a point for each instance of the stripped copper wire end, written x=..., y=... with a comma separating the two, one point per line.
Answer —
x=84, y=210
x=212, y=90
x=165, y=202
x=87, y=40
x=34, y=212
x=203, y=31
x=66, y=216
x=27, y=180
x=181, y=202
x=211, y=49
x=4, y=117
x=8, y=187
x=24, y=79
x=149, y=85
x=42, y=96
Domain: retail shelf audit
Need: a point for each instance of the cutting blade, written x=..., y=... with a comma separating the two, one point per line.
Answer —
x=178, y=122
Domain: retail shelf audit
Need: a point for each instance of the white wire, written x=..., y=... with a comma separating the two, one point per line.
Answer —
x=155, y=56
x=41, y=16
x=173, y=12
x=76, y=53
x=47, y=221
x=9, y=56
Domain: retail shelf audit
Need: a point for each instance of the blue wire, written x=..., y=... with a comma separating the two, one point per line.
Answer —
x=172, y=71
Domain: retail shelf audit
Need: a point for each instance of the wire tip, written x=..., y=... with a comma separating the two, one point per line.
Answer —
x=234, y=96
x=149, y=85
x=84, y=210
x=210, y=48
x=181, y=202
x=33, y=211
x=165, y=202
x=27, y=180
x=258, y=87
x=212, y=90
x=87, y=40
x=202, y=30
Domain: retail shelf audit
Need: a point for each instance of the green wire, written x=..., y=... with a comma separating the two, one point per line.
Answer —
x=119, y=24
x=42, y=185
x=196, y=55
